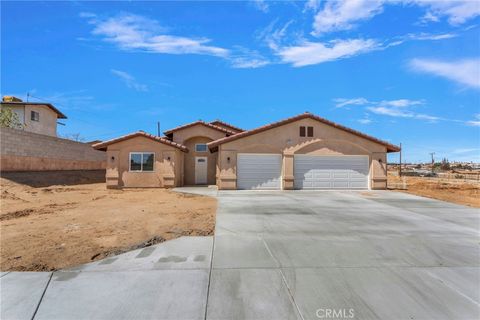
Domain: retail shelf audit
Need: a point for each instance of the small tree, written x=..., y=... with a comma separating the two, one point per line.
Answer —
x=9, y=119
x=445, y=165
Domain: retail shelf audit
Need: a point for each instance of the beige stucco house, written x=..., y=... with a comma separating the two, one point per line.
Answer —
x=302, y=152
x=36, y=117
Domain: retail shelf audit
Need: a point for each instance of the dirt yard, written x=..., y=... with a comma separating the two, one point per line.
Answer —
x=455, y=191
x=59, y=226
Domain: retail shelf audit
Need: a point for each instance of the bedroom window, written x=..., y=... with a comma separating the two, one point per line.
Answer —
x=34, y=116
x=309, y=131
x=302, y=131
x=142, y=161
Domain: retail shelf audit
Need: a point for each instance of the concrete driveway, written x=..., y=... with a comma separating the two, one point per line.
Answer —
x=281, y=255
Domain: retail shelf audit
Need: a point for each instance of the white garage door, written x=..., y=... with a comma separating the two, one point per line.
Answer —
x=330, y=172
x=259, y=171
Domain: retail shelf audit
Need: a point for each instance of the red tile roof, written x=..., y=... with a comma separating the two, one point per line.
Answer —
x=188, y=125
x=103, y=145
x=228, y=125
x=212, y=145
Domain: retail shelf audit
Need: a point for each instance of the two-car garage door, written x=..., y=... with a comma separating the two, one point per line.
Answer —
x=330, y=172
x=264, y=171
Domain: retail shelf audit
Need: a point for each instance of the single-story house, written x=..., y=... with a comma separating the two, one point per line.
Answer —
x=301, y=152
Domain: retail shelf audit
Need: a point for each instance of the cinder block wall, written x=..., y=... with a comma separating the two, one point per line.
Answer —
x=27, y=151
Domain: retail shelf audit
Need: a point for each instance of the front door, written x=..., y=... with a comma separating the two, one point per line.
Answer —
x=200, y=170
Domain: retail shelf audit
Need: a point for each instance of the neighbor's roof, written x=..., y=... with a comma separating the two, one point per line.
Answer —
x=103, y=145
x=60, y=114
x=216, y=143
x=188, y=125
x=228, y=125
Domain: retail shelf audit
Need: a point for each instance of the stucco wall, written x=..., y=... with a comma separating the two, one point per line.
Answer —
x=26, y=151
x=198, y=130
x=189, y=137
x=285, y=140
x=47, y=123
x=190, y=161
x=167, y=170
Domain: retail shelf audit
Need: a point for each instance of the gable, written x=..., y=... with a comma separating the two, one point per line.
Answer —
x=283, y=130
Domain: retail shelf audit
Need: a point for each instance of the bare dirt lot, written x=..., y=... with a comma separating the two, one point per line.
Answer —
x=456, y=191
x=59, y=226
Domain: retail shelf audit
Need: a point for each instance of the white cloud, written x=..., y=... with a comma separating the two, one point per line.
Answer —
x=465, y=150
x=456, y=11
x=401, y=113
x=465, y=72
x=342, y=15
x=308, y=53
x=400, y=108
x=476, y=122
x=365, y=121
x=134, y=32
x=244, y=58
x=429, y=36
x=338, y=15
x=129, y=80
x=400, y=103
x=261, y=5
x=342, y=102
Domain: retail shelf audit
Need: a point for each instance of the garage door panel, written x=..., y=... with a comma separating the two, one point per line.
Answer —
x=259, y=171
x=331, y=172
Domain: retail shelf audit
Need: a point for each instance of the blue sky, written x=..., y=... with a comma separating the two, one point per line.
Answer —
x=402, y=71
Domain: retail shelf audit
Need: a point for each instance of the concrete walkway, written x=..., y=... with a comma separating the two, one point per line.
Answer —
x=280, y=255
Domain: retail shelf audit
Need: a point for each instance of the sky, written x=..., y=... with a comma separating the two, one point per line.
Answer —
x=403, y=71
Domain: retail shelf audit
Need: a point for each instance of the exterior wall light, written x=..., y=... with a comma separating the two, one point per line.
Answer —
x=228, y=159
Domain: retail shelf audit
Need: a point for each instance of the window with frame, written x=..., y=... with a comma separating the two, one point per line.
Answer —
x=309, y=131
x=34, y=116
x=142, y=161
x=302, y=131
x=201, y=147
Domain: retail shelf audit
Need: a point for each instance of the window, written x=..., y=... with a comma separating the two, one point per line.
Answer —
x=35, y=116
x=302, y=131
x=309, y=131
x=201, y=147
x=141, y=161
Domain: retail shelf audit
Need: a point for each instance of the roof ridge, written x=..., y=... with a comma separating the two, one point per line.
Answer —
x=272, y=125
x=199, y=122
x=164, y=140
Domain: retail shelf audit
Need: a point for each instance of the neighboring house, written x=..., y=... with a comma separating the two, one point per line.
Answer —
x=35, y=117
x=302, y=152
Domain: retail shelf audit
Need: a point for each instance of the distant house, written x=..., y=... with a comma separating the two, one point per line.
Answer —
x=302, y=152
x=36, y=117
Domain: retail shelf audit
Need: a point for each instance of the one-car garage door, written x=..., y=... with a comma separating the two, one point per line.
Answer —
x=330, y=172
x=259, y=171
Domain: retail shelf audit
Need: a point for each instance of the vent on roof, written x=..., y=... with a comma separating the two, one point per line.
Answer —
x=11, y=99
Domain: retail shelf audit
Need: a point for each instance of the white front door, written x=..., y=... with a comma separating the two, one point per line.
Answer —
x=200, y=170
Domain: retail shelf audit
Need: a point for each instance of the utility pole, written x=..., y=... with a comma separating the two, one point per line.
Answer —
x=400, y=166
x=158, y=128
x=433, y=160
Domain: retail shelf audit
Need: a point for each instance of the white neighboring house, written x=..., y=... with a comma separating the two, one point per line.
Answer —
x=36, y=117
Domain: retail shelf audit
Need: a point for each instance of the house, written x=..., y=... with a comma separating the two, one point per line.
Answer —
x=301, y=152
x=34, y=117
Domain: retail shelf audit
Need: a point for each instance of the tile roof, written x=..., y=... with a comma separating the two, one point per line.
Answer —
x=188, y=125
x=212, y=145
x=60, y=114
x=103, y=145
x=228, y=125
